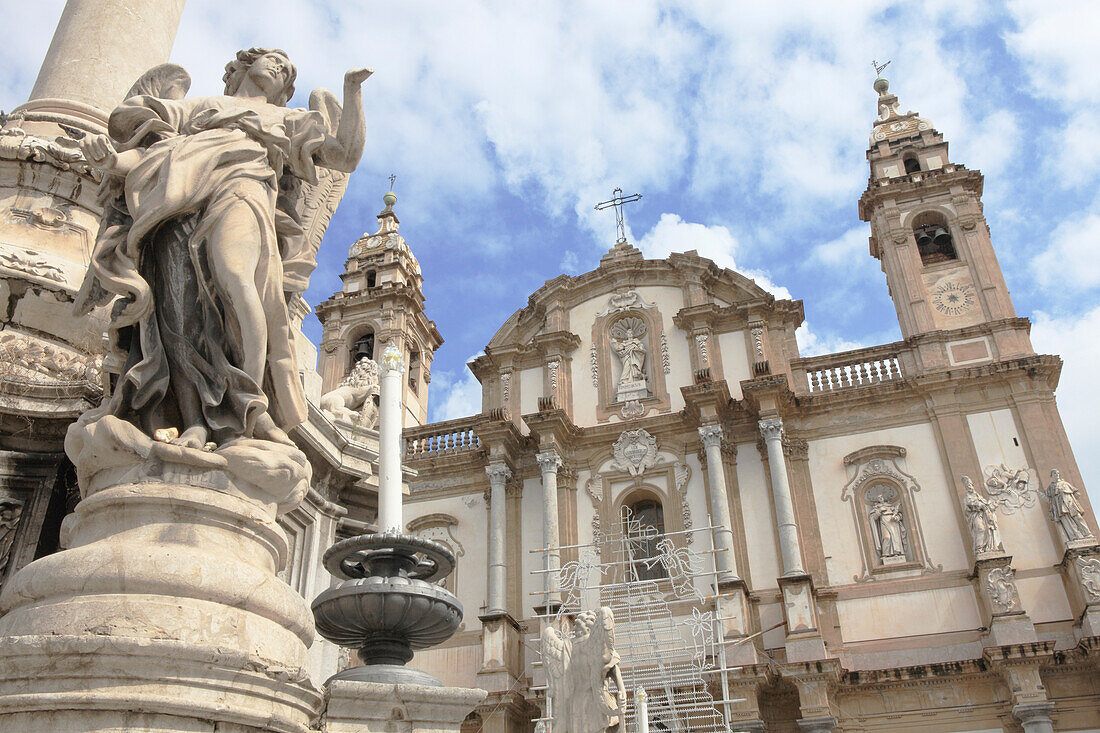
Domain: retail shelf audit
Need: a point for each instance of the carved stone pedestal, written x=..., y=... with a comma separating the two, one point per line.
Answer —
x=501, y=652
x=354, y=707
x=1081, y=566
x=733, y=612
x=165, y=614
x=804, y=642
x=1000, y=601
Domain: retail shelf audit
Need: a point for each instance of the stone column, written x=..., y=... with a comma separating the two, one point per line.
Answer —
x=98, y=51
x=725, y=562
x=732, y=598
x=772, y=430
x=391, y=368
x=498, y=474
x=550, y=462
x=1035, y=718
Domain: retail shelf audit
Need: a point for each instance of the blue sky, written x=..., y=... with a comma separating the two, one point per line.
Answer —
x=744, y=127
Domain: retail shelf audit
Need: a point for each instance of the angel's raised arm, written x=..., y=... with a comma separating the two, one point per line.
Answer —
x=342, y=150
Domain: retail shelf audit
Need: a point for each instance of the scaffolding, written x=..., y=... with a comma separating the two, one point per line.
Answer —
x=663, y=592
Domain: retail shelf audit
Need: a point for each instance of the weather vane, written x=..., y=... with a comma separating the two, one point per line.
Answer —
x=878, y=68
x=617, y=200
x=393, y=178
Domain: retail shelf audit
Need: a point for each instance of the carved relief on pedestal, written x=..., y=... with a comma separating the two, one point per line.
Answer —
x=1088, y=569
x=1001, y=586
x=881, y=496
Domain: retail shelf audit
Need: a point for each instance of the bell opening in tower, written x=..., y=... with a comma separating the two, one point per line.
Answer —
x=933, y=237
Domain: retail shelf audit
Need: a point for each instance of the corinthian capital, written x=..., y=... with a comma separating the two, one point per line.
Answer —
x=498, y=473
x=771, y=429
x=711, y=435
x=549, y=461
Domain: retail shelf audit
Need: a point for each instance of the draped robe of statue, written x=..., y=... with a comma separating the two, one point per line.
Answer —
x=578, y=672
x=199, y=156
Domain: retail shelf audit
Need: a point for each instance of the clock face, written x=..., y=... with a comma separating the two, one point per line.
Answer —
x=953, y=299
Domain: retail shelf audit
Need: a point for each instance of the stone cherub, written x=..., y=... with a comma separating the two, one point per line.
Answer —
x=981, y=519
x=578, y=672
x=202, y=244
x=1065, y=510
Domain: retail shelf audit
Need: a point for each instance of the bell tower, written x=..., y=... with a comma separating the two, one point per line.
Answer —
x=929, y=233
x=381, y=302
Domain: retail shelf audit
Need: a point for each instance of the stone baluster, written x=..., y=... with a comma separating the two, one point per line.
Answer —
x=772, y=430
x=498, y=474
x=725, y=562
x=391, y=368
x=550, y=462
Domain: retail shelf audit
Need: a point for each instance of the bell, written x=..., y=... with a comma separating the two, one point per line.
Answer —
x=924, y=239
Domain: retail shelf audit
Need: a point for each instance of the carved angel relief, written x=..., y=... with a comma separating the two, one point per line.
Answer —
x=1001, y=585
x=1011, y=489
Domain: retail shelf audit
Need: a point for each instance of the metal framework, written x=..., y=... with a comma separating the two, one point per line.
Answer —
x=661, y=588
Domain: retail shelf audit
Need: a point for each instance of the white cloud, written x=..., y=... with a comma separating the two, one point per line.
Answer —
x=844, y=250
x=1074, y=338
x=454, y=395
x=1061, y=68
x=1072, y=260
x=673, y=234
x=569, y=262
x=810, y=343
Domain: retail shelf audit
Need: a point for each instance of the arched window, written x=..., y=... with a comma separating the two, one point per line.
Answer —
x=933, y=238
x=362, y=348
x=372, y=278
x=912, y=163
x=644, y=526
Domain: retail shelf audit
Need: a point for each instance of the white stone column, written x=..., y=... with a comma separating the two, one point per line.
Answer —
x=772, y=430
x=498, y=474
x=99, y=50
x=391, y=372
x=550, y=462
x=724, y=562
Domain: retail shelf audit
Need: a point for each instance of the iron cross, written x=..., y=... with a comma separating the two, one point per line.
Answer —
x=617, y=200
x=393, y=179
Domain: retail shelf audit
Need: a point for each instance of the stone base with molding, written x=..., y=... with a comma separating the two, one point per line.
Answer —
x=354, y=707
x=165, y=614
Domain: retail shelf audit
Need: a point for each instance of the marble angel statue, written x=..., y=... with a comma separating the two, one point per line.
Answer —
x=202, y=243
x=579, y=671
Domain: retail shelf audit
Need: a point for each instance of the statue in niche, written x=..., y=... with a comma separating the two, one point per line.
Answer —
x=628, y=343
x=579, y=671
x=1065, y=510
x=356, y=399
x=981, y=519
x=202, y=243
x=887, y=527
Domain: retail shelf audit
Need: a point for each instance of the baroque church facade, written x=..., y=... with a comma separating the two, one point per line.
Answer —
x=857, y=580
x=859, y=584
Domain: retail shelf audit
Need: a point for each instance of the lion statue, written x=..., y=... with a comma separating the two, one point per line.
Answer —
x=356, y=399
